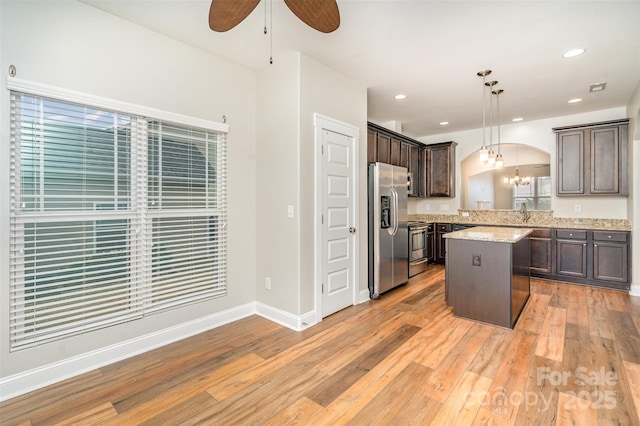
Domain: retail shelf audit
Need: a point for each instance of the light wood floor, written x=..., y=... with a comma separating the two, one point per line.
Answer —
x=573, y=358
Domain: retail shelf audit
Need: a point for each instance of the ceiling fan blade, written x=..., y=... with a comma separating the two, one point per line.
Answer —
x=226, y=14
x=322, y=15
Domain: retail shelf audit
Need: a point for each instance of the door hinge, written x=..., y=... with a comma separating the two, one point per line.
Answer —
x=322, y=219
x=322, y=288
x=322, y=149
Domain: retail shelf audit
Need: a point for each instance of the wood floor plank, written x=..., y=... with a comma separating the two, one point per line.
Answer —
x=577, y=310
x=615, y=301
x=632, y=371
x=297, y=413
x=511, y=377
x=400, y=389
x=330, y=388
x=446, y=339
x=98, y=414
x=418, y=410
x=444, y=377
x=551, y=340
x=539, y=400
x=533, y=314
x=626, y=336
x=598, y=313
x=575, y=411
x=462, y=411
x=491, y=354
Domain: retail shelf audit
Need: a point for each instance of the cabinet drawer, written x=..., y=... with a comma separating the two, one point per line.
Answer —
x=571, y=234
x=541, y=233
x=443, y=227
x=610, y=236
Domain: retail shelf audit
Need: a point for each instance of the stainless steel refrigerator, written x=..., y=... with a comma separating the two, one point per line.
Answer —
x=388, y=234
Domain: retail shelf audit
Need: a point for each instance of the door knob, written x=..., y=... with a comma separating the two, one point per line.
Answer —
x=352, y=230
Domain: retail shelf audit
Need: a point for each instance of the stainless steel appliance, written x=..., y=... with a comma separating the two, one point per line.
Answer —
x=388, y=235
x=421, y=246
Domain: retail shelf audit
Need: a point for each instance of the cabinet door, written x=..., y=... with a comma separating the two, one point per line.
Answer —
x=541, y=256
x=372, y=146
x=384, y=148
x=405, y=155
x=605, y=161
x=414, y=168
x=570, y=151
x=431, y=246
x=441, y=169
x=610, y=262
x=396, y=146
x=571, y=258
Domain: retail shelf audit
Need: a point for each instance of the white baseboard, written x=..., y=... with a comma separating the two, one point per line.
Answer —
x=30, y=380
x=363, y=296
x=635, y=290
x=294, y=322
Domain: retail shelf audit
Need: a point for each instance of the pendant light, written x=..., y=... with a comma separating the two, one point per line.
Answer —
x=499, y=160
x=491, y=161
x=484, y=152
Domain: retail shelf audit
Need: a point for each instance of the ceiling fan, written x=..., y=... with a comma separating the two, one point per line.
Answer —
x=322, y=15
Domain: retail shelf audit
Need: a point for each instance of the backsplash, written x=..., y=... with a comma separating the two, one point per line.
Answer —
x=537, y=218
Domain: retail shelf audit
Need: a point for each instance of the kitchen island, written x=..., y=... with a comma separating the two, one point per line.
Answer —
x=487, y=273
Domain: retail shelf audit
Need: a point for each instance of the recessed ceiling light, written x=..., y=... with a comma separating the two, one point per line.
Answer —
x=598, y=87
x=444, y=123
x=573, y=52
x=576, y=100
x=517, y=119
x=400, y=97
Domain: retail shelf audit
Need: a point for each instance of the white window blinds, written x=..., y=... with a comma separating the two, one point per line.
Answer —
x=112, y=217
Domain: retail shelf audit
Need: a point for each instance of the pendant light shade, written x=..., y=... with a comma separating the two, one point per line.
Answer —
x=484, y=151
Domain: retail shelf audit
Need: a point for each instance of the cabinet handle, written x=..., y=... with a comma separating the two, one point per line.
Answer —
x=584, y=244
x=595, y=246
x=609, y=236
x=571, y=235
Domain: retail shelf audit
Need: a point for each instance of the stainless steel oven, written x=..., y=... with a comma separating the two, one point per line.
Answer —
x=421, y=246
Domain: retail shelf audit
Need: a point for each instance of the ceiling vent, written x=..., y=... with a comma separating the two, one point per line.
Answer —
x=598, y=87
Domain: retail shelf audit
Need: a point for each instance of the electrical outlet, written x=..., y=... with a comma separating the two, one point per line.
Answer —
x=267, y=283
x=465, y=214
x=578, y=208
x=444, y=206
x=290, y=211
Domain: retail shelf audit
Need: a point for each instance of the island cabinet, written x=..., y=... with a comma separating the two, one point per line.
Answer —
x=593, y=159
x=487, y=275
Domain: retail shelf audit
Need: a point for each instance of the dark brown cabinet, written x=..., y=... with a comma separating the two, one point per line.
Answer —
x=439, y=172
x=541, y=263
x=386, y=146
x=571, y=253
x=611, y=256
x=441, y=246
x=593, y=159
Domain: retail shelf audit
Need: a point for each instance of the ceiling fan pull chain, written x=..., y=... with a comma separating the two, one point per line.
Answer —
x=271, y=32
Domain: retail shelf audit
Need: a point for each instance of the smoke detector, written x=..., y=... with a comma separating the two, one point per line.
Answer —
x=598, y=87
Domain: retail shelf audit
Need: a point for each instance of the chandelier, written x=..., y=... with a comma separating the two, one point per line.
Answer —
x=517, y=180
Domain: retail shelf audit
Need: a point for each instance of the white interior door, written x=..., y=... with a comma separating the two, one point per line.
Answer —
x=338, y=220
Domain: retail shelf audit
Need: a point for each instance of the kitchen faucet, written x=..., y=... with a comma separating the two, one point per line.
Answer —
x=525, y=213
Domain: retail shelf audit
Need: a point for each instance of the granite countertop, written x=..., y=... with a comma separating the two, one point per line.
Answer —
x=492, y=234
x=537, y=219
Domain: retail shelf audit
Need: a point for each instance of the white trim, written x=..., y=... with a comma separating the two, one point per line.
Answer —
x=323, y=122
x=45, y=90
x=30, y=380
x=634, y=291
x=294, y=322
x=364, y=296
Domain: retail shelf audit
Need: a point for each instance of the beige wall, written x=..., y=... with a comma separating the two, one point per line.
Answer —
x=74, y=46
x=290, y=92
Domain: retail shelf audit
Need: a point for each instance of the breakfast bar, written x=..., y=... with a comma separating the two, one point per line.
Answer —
x=487, y=273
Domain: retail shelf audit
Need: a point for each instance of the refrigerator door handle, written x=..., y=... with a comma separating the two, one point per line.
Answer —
x=394, y=194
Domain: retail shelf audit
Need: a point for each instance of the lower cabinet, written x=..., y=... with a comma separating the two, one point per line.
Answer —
x=571, y=253
x=441, y=247
x=611, y=256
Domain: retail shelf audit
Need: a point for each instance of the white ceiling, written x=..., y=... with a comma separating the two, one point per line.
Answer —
x=431, y=51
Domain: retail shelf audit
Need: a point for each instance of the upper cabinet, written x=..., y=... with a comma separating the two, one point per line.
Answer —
x=440, y=170
x=593, y=159
x=432, y=167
